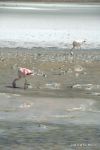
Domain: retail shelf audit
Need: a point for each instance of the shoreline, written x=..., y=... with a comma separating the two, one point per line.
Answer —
x=63, y=71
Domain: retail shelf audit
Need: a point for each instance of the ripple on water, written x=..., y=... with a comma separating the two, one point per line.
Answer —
x=87, y=86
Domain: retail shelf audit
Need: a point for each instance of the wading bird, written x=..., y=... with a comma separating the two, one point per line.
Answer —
x=22, y=73
x=76, y=45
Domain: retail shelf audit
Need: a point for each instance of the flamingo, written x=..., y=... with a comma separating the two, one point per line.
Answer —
x=22, y=73
x=76, y=45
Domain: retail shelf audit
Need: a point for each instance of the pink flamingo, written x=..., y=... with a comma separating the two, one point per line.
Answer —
x=22, y=73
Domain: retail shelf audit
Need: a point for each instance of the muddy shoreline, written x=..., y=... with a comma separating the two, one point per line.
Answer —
x=62, y=70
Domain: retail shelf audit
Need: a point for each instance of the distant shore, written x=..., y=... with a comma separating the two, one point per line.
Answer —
x=24, y=3
x=69, y=1
x=5, y=3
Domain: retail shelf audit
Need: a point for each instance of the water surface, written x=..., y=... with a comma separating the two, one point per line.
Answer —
x=55, y=25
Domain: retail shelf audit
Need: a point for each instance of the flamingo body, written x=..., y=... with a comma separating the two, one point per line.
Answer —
x=22, y=72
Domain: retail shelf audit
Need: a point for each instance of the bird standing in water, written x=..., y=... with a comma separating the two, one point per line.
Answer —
x=76, y=45
x=22, y=73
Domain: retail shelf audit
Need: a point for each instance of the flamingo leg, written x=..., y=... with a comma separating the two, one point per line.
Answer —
x=25, y=84
x=14, y=82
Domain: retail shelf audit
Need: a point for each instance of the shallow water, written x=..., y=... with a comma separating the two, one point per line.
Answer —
x=22, y=135
x=60, y=111
x=48, y=123
x=49, y=25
